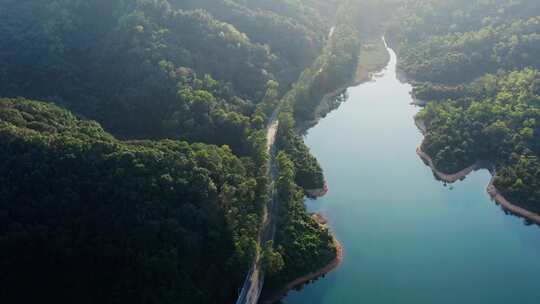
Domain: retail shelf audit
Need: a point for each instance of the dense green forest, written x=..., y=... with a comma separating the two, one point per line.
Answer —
x=495, y=118
x=308, y=173
x=89, y=218
x=296, y=33
x=148, y=70
x=302, y=243
x=452, y=42
x=141, y=176
x=477, y=62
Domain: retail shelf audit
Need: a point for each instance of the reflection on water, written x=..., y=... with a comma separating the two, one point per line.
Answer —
x=407, y=237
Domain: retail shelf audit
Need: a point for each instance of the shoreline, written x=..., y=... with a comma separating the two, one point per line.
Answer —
x=493, y=192
x=367, y=69
x=330, y=102
x=277, y=296
x=508, y=206
x=445, y=177
x=326, y=105
x=316, y=193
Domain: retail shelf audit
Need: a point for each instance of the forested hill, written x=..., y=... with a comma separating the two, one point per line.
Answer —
x=148, y=69
x=295, y=30
x=140, y=175
x=458, y=41
x=87, y=218
x=478, y=63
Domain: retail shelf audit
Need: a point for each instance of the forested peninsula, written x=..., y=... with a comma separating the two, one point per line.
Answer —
x=476, y=64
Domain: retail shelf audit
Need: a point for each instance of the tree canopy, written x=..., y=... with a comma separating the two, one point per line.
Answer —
x=108, y=221
x=141, y=175
x=477, y=62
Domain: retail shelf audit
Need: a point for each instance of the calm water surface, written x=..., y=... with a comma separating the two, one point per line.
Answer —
x=407, y=237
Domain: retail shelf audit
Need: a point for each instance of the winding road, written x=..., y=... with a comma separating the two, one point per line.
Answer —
x=252, y=287
x=253, y=284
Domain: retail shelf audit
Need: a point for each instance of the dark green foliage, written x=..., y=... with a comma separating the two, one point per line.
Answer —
x=272, y=261
x=295, y=32
x=87, y=218
x=308, y=173
x=304, y=245
x=520, y=180
x=454, y=42
x=496, y=119
x=477, y=62
x=145, y=68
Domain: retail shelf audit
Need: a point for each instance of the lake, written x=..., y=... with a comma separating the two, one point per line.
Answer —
x=407, y=237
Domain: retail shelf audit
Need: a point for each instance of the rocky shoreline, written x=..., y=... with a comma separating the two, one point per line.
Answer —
x=449, y=178
x=316, y=193
x=512, y=208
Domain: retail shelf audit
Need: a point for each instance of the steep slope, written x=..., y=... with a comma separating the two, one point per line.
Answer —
x=122, y=214
x=85, y=216
x=131, y=71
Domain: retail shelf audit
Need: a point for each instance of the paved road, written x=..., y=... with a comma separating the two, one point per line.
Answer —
x=251, y=290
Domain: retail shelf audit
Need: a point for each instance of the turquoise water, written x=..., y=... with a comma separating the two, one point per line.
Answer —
x=408, y=238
